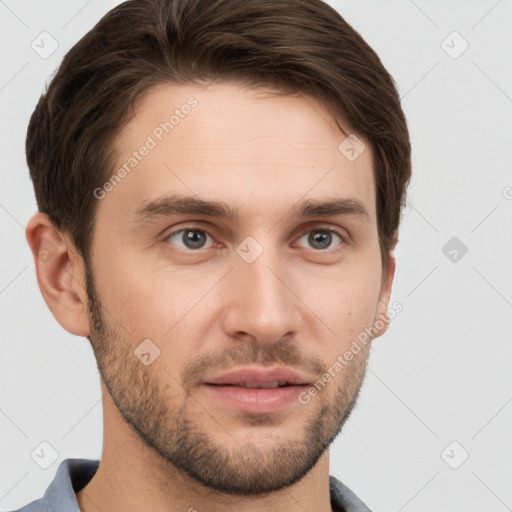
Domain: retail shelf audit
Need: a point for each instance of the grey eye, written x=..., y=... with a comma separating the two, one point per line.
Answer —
x=320, y=238
x=189, y=238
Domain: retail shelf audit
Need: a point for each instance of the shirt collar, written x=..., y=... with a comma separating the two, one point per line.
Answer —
x=74, y=474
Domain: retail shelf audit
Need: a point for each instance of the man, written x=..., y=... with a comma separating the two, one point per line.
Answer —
x=219, y=188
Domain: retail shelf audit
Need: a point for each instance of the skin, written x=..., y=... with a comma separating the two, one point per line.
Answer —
x=168, y=445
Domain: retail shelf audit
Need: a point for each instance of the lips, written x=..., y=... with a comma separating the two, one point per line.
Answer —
x=258, y=385
x=259, y=391
x=265, y=379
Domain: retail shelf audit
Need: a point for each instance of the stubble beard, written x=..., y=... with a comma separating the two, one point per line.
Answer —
x=177, y=436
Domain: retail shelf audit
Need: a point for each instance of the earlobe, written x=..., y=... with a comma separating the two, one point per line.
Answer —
x=60, y=274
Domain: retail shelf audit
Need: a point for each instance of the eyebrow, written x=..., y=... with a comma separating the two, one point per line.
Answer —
x=189, y=205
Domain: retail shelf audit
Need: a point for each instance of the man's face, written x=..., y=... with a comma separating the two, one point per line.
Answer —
x=268, y=288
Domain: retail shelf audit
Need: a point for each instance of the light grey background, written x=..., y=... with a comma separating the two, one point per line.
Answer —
x=442, y=373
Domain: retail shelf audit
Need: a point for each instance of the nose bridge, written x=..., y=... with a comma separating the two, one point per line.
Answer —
x=260, y=301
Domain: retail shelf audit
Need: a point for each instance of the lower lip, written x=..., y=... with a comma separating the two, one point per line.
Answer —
x=256, y=400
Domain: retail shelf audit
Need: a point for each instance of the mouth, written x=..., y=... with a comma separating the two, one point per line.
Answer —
x=255, y=390
x=258, y=385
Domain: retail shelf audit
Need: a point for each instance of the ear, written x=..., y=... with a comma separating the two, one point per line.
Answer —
x=60, y=274
x=382, y=319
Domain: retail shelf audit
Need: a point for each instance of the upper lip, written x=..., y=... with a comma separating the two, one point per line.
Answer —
x=253, y=375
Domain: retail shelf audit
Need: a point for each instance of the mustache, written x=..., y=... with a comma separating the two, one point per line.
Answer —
x=285, y=353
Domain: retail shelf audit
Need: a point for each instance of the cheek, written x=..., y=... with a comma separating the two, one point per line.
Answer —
x=345, y=300
x=154, y=301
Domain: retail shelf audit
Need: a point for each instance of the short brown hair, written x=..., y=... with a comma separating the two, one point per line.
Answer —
x=295, y=45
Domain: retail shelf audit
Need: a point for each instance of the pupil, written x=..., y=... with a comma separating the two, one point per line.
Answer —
x=193, y=239
x=320, y=239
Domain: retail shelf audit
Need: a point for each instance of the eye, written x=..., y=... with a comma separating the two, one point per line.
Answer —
x=189, y=238
x=321, y=239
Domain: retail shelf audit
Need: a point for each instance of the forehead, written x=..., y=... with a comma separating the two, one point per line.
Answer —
x=255, y=150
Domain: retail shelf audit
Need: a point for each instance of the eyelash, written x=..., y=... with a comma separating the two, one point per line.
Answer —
x=316, y=229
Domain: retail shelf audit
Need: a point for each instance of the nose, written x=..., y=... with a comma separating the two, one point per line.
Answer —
x=259, y=301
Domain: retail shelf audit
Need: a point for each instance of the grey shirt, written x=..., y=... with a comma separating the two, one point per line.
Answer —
x=74, y=474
